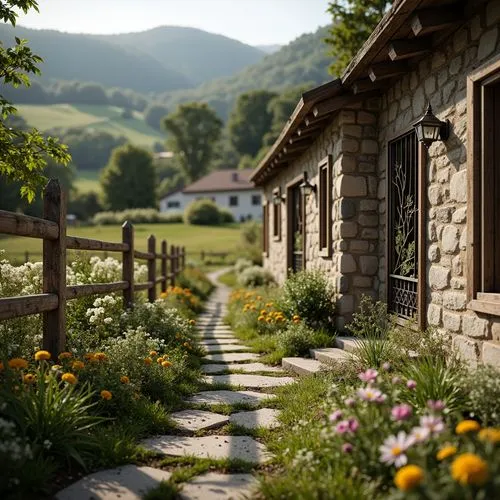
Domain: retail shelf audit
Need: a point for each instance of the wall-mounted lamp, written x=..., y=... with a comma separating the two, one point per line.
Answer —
x=306, y=188
x=278, y=198
x=431, y=129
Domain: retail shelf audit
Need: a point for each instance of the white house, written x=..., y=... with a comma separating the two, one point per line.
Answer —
x=230, y=189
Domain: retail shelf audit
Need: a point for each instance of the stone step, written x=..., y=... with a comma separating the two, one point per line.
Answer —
x=231, y=357
x=219, y=341
x=329, y=355
x=245, y=367
x=229, y=397
x=264, y=417
x=225, y=348
x=349, y=344
x=214, y=486
x=302, y=366
x=218, y=447
x=124, y=483
x=250, y=381
x=197, y=420
x=211, y=336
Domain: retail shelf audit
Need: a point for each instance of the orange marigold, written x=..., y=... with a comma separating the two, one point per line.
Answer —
x=408, y=477
x=491, y=434
x=65, y=355
x=466, y=426
x=77, y=365
x=124, y=379
x=42, y=355
x=147, y=361
x=166, y=364
x=153, y=353
x=18, y=363
x=468, y=469
x=29, y=378
x=106, y=395
x=446, y=452
x=69, y=378
x=100, y=356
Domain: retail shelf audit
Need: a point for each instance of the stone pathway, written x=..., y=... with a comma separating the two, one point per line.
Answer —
x=229, y=363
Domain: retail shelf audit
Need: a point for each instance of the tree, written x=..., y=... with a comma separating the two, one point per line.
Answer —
x=250, y=120
x=353, y=23
x=154, y=114
x=194, y=130
x=23, y=154
x=129, y=179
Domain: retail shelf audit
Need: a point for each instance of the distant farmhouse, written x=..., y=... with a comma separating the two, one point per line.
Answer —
x=230, y=189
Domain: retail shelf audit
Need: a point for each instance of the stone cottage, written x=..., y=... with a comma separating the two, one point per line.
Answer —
x=392, y=198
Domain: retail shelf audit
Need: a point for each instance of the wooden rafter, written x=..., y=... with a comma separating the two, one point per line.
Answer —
x=428, y=21
x=405, y=49
x=388, y=69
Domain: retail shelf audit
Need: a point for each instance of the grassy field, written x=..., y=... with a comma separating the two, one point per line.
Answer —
x=87, y=180
x=194, y=238
x=107, y=118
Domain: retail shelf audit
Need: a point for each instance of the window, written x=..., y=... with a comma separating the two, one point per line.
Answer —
x=256, y=199
x=173, y=204
x=233, y=201
x=265, y=229
x=483, y=245
x=325, y=207
x=277, y=215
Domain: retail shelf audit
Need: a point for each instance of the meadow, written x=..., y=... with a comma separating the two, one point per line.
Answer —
x=87, y=181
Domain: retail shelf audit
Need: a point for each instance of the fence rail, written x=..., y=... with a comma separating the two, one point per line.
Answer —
x=52, y=302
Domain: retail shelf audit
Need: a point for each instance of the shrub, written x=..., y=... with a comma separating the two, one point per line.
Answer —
x=251, y=242
x=196, y=281
x=226, y=216
x=298, y=339
x=309, y=295
x=202, y=213
x=371, y=320
x=137, y=216
x=255, y=276
x=241, y=265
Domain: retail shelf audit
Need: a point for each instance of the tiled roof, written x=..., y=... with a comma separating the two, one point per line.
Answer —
x=222, y=180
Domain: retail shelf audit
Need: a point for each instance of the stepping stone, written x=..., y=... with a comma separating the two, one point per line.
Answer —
x=302, y=366
x=196, y=420
x=226, y=348
x=126, y=483
x=211, y=336
x=265, y=417
x=213, y=486
x=229, y=397
x=253, y=381
x=228, y=341
x=234, y=357
x=245, y=367
x=239, y=447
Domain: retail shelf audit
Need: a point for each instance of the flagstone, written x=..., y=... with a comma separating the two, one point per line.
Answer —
x=226, y=348
x=196, y=420
x=264, y=417
x=245, y=380
x=219, y=447
x=246, y=367
x=218, y=341
x=214, y=486
x=229, y=397
x=231, y=357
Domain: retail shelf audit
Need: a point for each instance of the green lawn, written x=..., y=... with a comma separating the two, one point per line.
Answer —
x=194, y=238
x=107, y=118
x=87, y=180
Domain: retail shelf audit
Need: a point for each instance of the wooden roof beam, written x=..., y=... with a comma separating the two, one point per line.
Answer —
x=384, y=70
x=309, y=130
x=405, y=49
x=300, y=138
x=366, y=86
x=296, y=148
x=430, y=20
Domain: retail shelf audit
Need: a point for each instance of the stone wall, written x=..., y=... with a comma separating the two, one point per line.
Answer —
x=441, y=79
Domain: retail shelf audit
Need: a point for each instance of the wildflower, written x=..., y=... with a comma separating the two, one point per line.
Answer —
x=269, y=320
x=100, y=356
x=263, y=312
x=347, y=448
x=353, y=424
x=153, y=353
x=408, y=477
x=18, y=363
x=192, y=322
x=436, y=405
x=89, y=356
x=393, y=450
x=124, y=379
x=342, y=427
x=420, y=434
x=466, y=426
x=395, y=380
x=261, y=318
x=65, y=355
x=47, y=444
x=166, y=364
x=106, y=395
x=386, y=366
x=434, y=424
x=411, y=384
x=78, y=365
x=401, y=412
x=29, y=378
x=147, y=361
x=69, y=378
x=490, y=434
x=349, y=402
x=446, y=452
x=468, y=468
x=186, y=344
x=371, y=395
x=336, y=415
x=369, y=375
x=42, y=355
x=55, y=368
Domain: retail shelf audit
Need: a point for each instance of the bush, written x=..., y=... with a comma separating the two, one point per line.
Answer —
x=226, y=216
x=137, y=216
x=298, y=339
x=196, y=281
x=251, y=242
x=203, y=213
x=255, y=276
x=242, y=264
x=309, y=295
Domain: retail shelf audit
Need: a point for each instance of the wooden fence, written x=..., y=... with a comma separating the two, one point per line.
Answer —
x=52, y=302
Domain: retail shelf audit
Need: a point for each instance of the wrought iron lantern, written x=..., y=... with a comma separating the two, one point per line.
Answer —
x=278, y=198
x=306, y=188
x=430, y=129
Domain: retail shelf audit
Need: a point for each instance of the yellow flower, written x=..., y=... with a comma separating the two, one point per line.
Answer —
x=124, y=379
x=263, y=312
x=466, y=426
x=192, y=322
x=261, y=318
x=296, y=317
x=153, y=353
x=468, y=468
x=89, y=356
x=56, y=367
x=269, y=304
x=166, y=364
x=147, y=361
x=269, y=320
x=78, y=365
x=490, y=434
x=69, y=378
x=106, y=395
x=186, y=344
x=408, y=477
x=42, y=355
x=446, y=452
x=29, y=378
x=100, y=356
x=18, y=363
x=65, y=355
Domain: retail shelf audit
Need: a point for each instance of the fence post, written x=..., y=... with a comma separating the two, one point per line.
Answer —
x=54, y=269
x=128, y=264
x=183, y=258
x=152, y=268
x=172, y=265
x=26, y=257
x=164, y=250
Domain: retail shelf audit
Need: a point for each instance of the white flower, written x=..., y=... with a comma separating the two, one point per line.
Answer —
x=393, y=450
x=108, y=320
x=434, y=424
x=420, y=434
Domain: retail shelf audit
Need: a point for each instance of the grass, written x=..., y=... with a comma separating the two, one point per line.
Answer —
x=87, y=181
x=229, y=279
x=105, y=118
x=194, y=238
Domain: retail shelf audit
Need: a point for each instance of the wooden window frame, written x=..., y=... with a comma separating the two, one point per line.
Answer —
x=277, y=215
x=478, y=280
x=265, y=229
x=325, y=213
x=234, y=197
x=289, y=229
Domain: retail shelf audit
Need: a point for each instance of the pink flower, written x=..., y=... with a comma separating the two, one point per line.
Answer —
x=336, y=415
x=371, y=395
x=386, y=366
x=437, y=405
x=349, y=402
x=435, y=425
x=401, y=412
x=411, y=384
x=353, y=424
x=342, y=427
x=420, y=434
x=347, y=447
x=393, y=450
x=369, y=375
x=396, y=380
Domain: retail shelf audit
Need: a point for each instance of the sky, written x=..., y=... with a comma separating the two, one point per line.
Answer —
x=255, y=22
